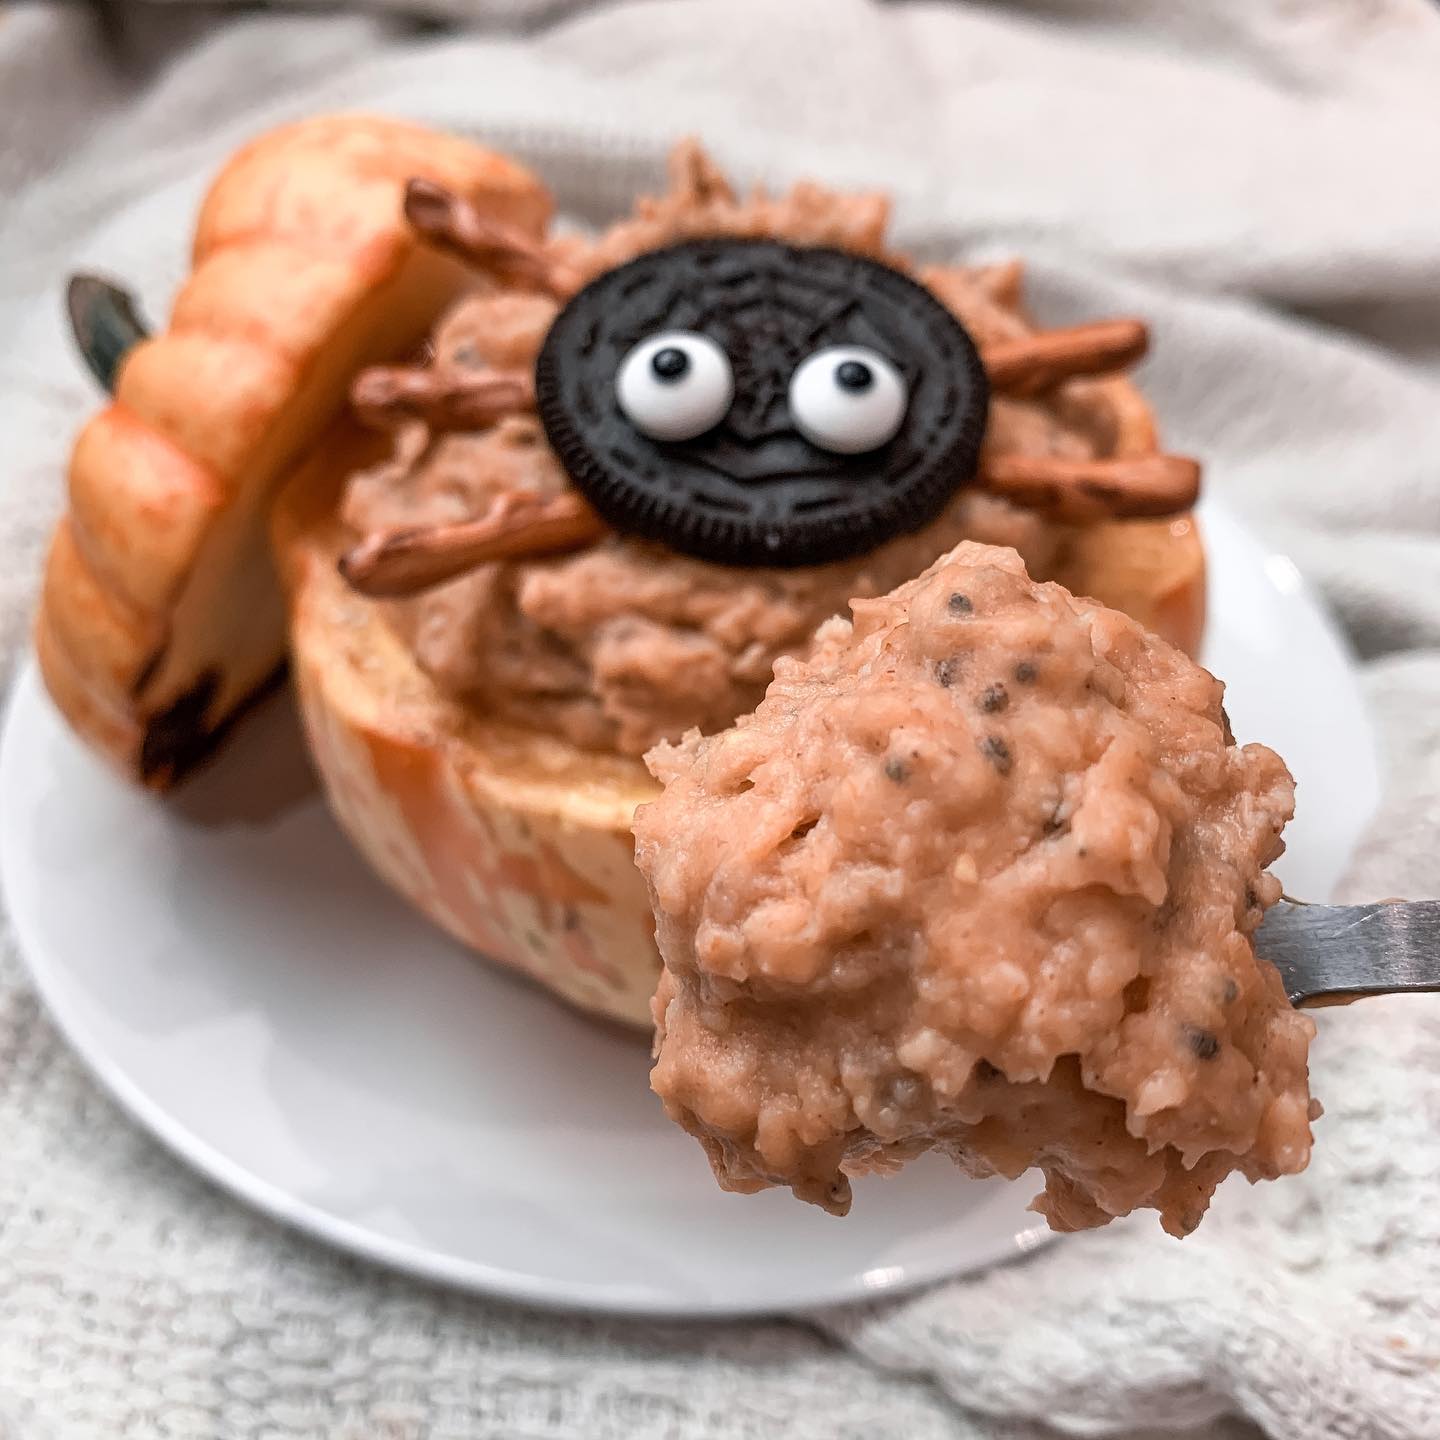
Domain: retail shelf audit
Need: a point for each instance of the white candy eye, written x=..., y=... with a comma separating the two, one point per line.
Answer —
x=847, y=399
x=675, y=385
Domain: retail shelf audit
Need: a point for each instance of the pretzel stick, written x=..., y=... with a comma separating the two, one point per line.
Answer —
x=1084, y=491
x=1040, y=362
x=518, y=525
x=385, y=396
x=453, y=224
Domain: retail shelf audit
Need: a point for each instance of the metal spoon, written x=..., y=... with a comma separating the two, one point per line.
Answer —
x=1332, y=954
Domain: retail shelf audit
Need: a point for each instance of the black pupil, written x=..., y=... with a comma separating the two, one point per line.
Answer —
x=670, y=363
x=854, y=375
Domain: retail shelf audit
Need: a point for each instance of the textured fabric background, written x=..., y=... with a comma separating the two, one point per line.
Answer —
x=1261, y=178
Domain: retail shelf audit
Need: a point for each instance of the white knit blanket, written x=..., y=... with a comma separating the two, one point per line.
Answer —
x=1259, y=177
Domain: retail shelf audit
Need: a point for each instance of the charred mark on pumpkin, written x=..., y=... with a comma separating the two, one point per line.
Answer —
x=184, y=735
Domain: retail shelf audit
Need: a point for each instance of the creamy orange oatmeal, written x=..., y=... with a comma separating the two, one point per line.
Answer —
x=980, y=876
x=629, y=643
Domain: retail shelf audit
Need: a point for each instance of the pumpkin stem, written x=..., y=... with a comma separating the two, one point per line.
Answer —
x=105, y=323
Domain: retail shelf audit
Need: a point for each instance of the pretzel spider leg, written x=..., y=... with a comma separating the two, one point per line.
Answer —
x=386, y=396
x=401, y=562
x=455, y=225
x=1038, y=363
x=1081, y=491
x=1086, y=491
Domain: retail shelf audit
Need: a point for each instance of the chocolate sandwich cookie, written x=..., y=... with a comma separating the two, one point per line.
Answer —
x=752, y=402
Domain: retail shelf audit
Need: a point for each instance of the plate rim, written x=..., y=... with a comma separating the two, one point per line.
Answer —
x=474, y=1276
x=351, y=1238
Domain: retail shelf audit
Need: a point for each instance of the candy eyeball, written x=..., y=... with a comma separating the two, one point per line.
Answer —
x=847, y=399
x=675, y=385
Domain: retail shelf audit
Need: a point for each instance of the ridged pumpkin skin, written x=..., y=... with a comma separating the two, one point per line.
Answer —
x=515, y=842
x=160, y=616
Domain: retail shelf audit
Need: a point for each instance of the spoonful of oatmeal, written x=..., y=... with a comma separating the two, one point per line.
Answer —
x=986, y=874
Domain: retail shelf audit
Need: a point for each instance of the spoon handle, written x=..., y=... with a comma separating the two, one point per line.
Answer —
x=1332, y=954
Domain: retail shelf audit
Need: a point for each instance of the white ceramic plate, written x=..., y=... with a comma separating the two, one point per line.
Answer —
x=245, y=988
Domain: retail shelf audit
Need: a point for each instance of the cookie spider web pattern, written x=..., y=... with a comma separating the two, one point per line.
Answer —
x=753, y=490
